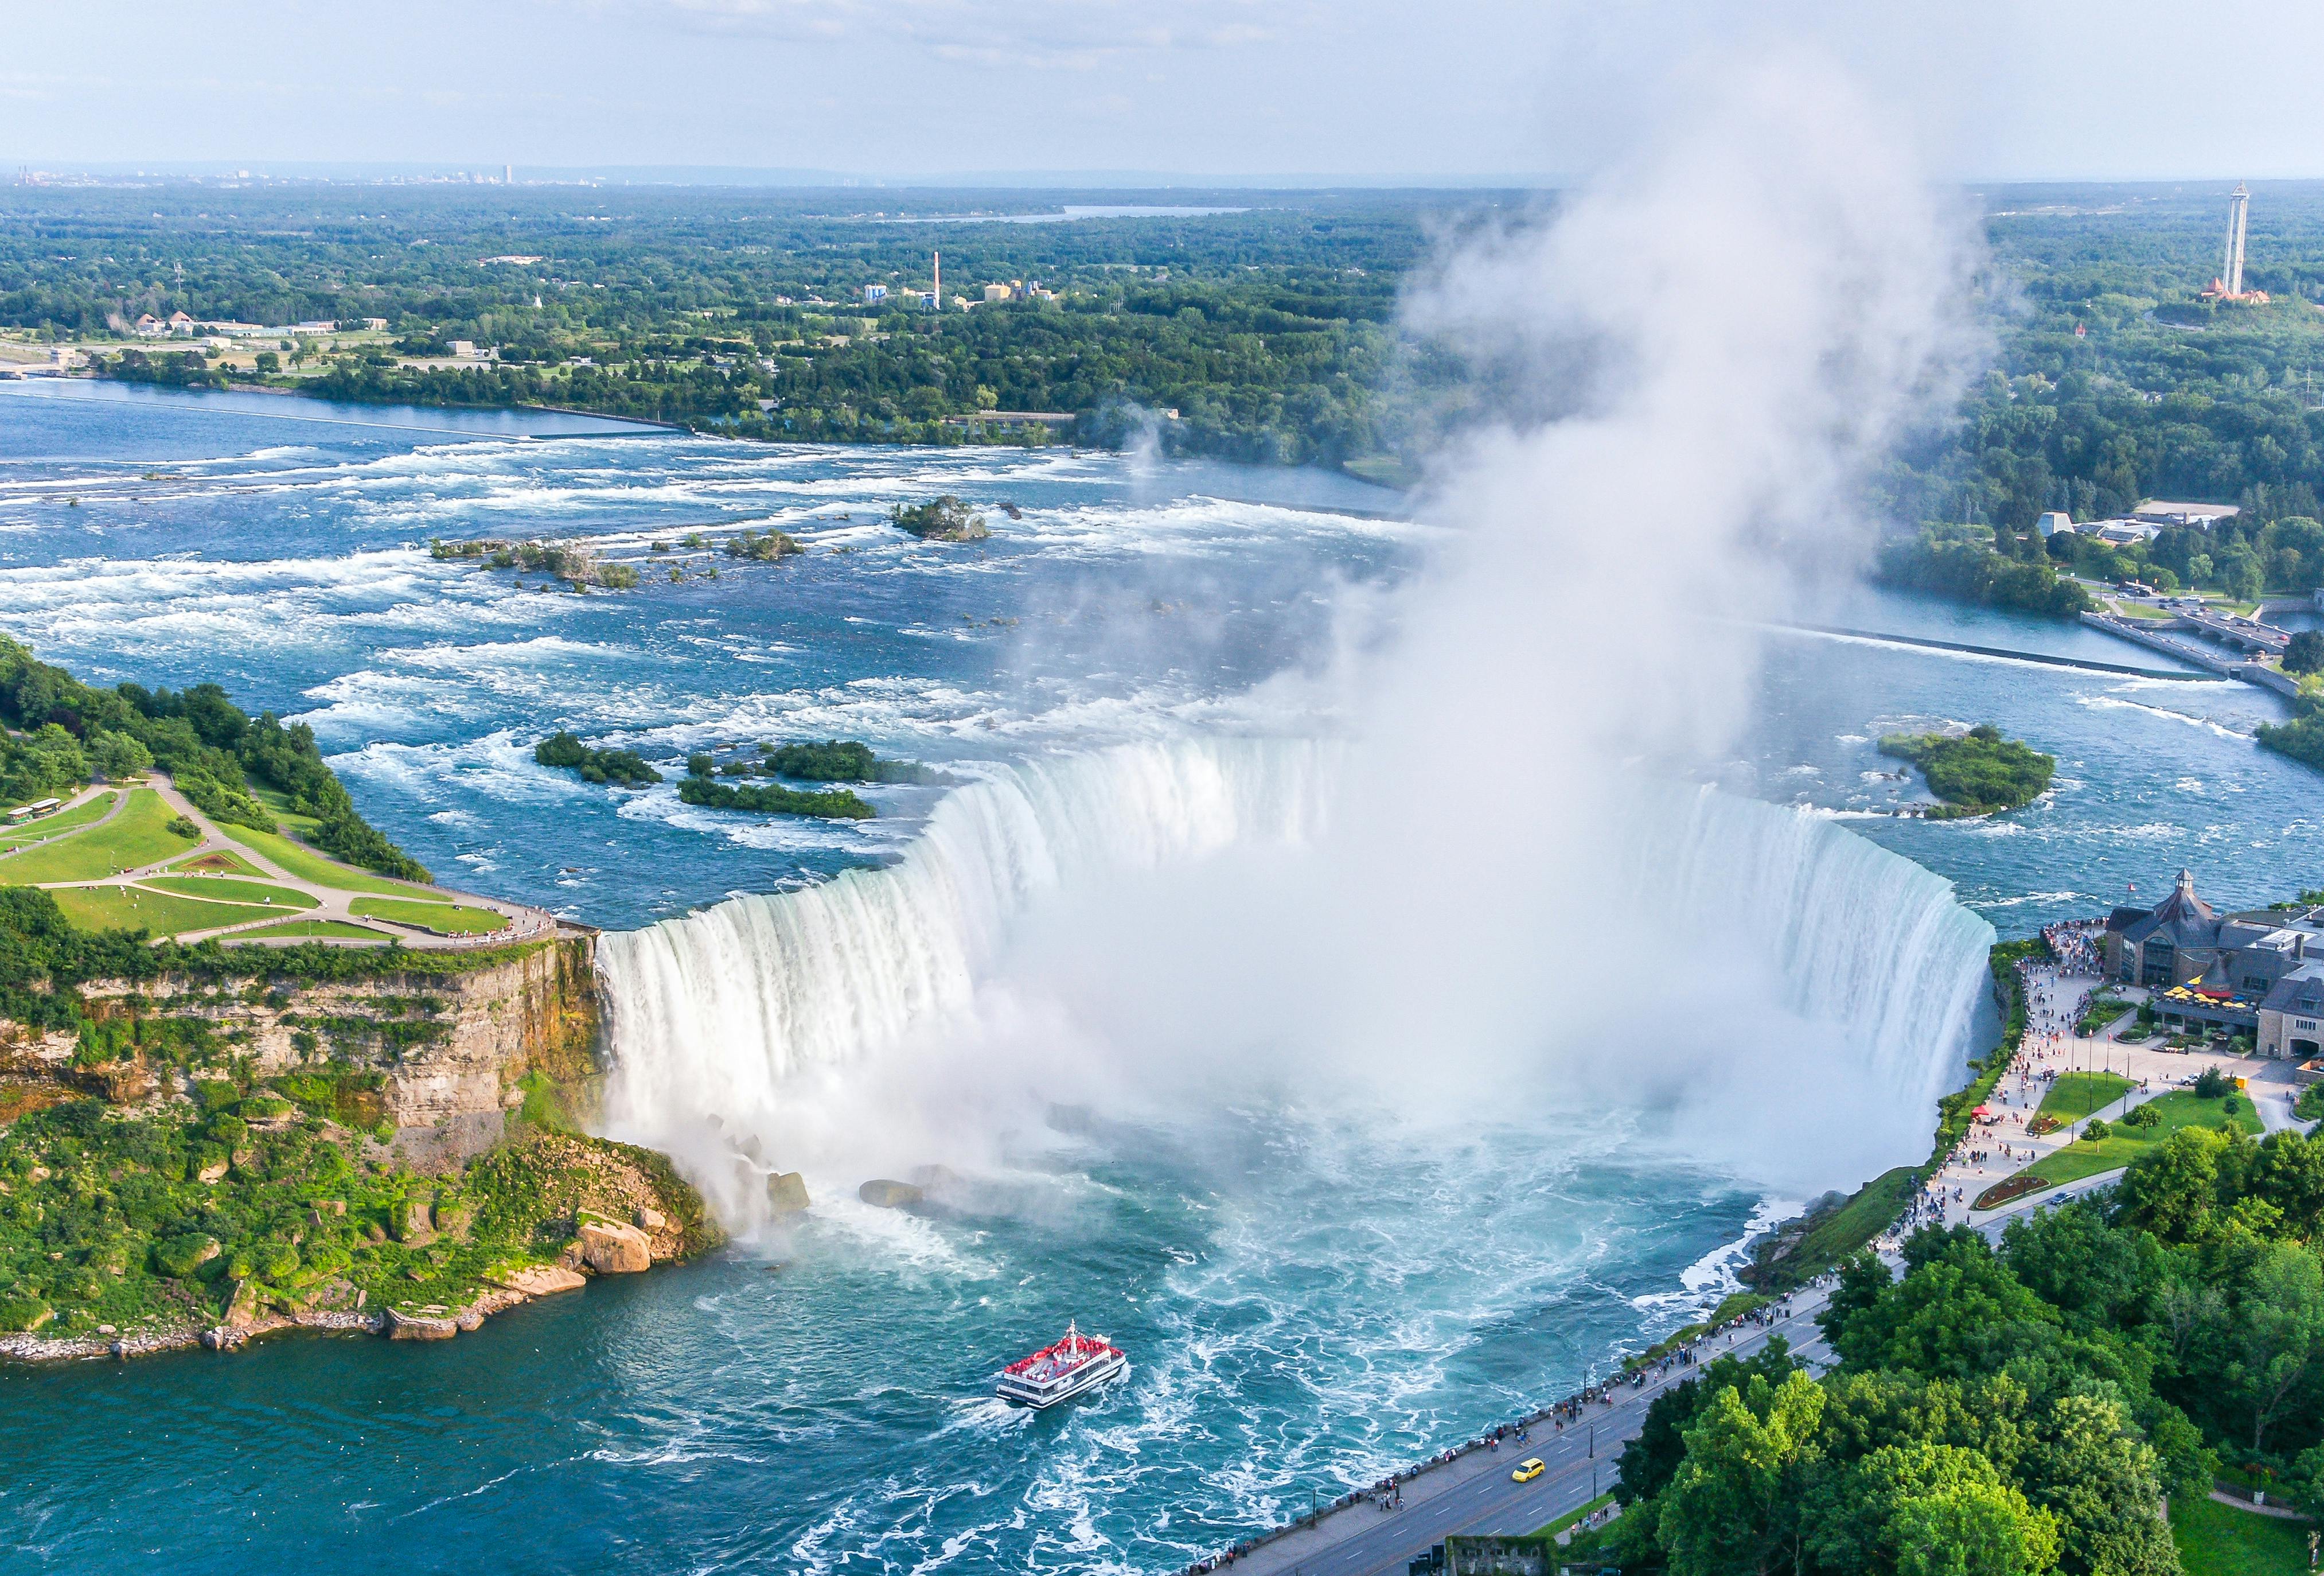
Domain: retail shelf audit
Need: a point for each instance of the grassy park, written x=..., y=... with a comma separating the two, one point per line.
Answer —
x=2218, y=1540
x=307, y=864
x=2075, y=1095
x=2123, y=1143
x=125, y=908
x=226, y=889
x=453, y=919
x=49, y=826
x=310, y=929
x=139, y=835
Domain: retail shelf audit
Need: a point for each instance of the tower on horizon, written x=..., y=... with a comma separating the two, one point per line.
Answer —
x=2238, y=212
x=2229, y=285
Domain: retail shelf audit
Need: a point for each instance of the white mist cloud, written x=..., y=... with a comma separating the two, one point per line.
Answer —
x=1494, y=894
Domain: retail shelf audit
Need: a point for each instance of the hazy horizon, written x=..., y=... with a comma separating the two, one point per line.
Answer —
x=1219, y=93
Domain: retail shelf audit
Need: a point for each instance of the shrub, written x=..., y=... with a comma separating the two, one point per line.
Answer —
x=183, y=826
x=2211, y=1083
x=2142, y=1116
x=20, y=1313
x=179, y=1257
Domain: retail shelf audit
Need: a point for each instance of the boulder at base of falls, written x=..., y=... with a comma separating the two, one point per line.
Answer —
x=419, y=1327
x=886, y=1194
x=787, y=1194
x=613, y=1249
x=541, y=1280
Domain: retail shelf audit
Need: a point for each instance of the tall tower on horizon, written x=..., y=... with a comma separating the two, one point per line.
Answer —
x=935, y=292
x=2231, y=276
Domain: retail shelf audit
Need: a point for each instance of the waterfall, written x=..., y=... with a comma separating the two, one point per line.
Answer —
x=1785, y=927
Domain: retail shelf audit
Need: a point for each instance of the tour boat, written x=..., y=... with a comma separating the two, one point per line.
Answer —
x=1061, y=1372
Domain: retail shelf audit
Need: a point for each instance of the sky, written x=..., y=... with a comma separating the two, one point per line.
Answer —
x=1199, y=90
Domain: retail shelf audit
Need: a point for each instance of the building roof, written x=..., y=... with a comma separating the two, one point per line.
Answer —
x=2300, y=991
x=2182, y=919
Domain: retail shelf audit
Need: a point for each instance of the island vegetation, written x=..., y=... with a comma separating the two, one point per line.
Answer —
x=621, y=768
x=1978, y=773
x=942, y=519
x=701, y=786
x=839, y=761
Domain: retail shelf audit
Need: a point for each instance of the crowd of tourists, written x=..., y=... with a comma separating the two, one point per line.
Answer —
x=1578, y=1409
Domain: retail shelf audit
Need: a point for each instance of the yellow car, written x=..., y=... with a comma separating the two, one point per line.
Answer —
x=1528, y=1471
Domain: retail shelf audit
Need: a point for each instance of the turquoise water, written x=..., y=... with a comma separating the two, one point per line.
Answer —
x=1311, y=1292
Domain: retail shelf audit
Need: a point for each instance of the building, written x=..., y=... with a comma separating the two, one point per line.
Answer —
x=316, y=326
x=149, y=327
x=2260, y=972
x=2055, y=521
x=996, y=292
x=179, y=323
x=2199, y=516
x=2119, y=533
x=872, y=293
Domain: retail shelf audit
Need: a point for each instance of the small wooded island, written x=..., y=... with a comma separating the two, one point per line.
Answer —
x=830, y=761
x=1976, y=773
x=944, y=519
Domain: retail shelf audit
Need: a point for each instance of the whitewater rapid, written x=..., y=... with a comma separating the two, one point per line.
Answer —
x=1778, y=946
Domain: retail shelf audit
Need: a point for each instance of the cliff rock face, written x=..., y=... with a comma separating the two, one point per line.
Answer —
x=436, y=1057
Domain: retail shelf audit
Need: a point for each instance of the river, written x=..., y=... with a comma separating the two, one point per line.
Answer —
x=1313, y=1288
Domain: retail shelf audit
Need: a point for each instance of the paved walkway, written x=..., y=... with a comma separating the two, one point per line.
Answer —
x=525, y=923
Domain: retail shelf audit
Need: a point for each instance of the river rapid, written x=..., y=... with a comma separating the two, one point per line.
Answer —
x=1318, y=1278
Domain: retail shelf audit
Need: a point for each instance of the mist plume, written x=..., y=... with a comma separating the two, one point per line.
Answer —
x=1483, y=883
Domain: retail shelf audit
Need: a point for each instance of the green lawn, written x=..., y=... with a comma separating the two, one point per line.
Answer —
x=308, y=865
x=2218, y=1540
x=2121, y=1145
x=221, y=862
x=1572, y=1516
x=139, y=835
x=312, y=927
x=49, y=826
x=2142, y=610
x=2075, y=1095
x=117, y=908
x=225, y=889
x=436, y=916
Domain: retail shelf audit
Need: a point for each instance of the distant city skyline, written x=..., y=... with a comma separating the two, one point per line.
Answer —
x=1099, y=92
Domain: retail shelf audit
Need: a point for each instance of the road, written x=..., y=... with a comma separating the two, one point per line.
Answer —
x=1474, y=1492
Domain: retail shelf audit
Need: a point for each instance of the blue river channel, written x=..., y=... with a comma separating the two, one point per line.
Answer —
x=1310, y=1299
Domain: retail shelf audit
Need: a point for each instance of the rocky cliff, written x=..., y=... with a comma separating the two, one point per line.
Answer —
x=427, y=1062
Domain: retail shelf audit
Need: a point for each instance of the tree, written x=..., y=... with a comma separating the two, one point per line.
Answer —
x=117, y=756
x=2279, y=1334
x=1732, y=1506
x=2171, y=1188
x=1929, y=1509
x=2305, y=653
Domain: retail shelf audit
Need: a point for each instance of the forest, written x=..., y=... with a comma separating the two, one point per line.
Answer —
x=1269, y=332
